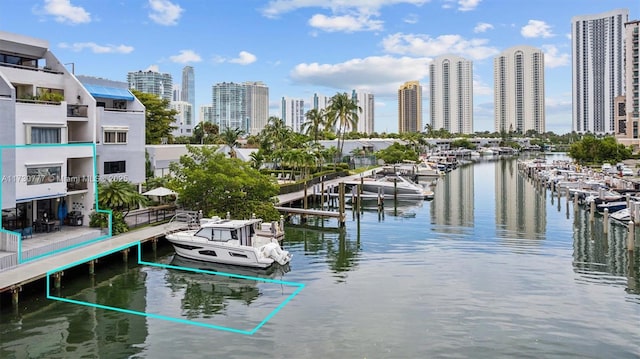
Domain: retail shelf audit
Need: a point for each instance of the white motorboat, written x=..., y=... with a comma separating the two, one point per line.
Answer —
x=393, y=185
x=427, y=169
x=622, y=216
x=231, y=241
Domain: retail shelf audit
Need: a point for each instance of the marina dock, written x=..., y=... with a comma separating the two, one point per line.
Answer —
x=14, y=278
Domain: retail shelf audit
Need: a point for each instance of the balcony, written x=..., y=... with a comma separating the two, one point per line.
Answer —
x=77, y=112
x=77, y=183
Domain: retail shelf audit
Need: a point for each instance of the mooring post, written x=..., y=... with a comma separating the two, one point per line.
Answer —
x=605, y=221
x=631, y=233
x=322, y=194
x=125, y=255
x=592, y=211
x=341, y=204
x=15, y=295
x=305, y=206
x=575, y=203
x=380, y=200
x=154, y=245
x=57, y=279
x=92, y=267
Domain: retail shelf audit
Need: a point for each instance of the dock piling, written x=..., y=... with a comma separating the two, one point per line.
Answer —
x=592, y=210
x=631, y=232
x=605, y=221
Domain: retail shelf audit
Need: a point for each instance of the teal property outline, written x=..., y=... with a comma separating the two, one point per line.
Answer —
x=95, y=191
x=168, y=266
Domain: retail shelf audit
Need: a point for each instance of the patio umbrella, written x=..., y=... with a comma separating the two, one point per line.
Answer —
x=160, y=192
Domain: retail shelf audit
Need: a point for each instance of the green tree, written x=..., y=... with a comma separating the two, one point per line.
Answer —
x=397, y=153
x=230, y=137
x=315, y=123
x=209, y=181
x=120, y=196
x=595, y=150
x=463, y=143
x=158, y=117
x=343, y=114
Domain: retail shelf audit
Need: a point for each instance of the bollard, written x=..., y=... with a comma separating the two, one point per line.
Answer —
x=605, y=221
x=631, y=232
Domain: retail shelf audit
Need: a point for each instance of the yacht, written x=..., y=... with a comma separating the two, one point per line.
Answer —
x=231, y=241
x=393, y=185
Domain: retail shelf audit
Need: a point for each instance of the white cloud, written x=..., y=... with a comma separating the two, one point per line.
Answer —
x=97, y=49
x=424, y=45
x=244, y=58
x=468, y=5
x=63, y=12
x=411, y=19
x=381, y=75
x=346, y=23
x=536, y=28
x=482, y=27
x=164, y=12
x=552, y=57
x=276, y=8
x=480, y=88
x=186, y=56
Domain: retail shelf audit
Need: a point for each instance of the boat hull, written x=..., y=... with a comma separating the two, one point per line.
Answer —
x=223, y=254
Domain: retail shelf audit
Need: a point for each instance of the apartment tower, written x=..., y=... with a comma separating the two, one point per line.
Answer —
x=257, y=105
x=519, y=90
x=597, y=43
x=410, y=107
x=451, y=95
x=160, y=84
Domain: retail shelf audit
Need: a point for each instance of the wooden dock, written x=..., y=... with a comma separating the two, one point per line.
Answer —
x=309, y=212
x=14, y=278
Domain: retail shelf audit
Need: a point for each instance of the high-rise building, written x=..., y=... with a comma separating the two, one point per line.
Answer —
x=410, y=107
x=597, y=43
x=177, y=93
x=160, y=84
x=206, y=114
x=189, y=89
x=228, y=106
x=632, y=64
x=257, y=105
x=518, y=74
x=183, y=122
x=366, y=102
x=451, y=95
x=320, y=102
x=293, y=113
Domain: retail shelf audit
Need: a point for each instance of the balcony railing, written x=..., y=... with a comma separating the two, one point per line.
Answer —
x=77, y=110
x=31, y=68
x=77, y=183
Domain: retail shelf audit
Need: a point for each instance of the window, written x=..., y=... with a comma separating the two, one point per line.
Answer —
x=115, y=167
x=46, y=135
x=115, y=136
x=42, y=175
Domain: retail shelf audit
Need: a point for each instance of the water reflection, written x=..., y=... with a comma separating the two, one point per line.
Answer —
x=454, y=202
x=61, y=330
x=601, y=257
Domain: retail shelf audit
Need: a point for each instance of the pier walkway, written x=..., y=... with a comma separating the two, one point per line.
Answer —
x=299, y=195
x=14, y=277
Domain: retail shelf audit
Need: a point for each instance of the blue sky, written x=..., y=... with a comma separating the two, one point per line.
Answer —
x=298, y=47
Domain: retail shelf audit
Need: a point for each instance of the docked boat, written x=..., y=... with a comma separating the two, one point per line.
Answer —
x=393, y=185
x=426, y=169
x=622, y=216
x=231, y=241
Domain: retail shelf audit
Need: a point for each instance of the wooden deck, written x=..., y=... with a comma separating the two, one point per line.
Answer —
x=25, y=273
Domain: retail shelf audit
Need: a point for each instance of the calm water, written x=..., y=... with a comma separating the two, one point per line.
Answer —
x=490, y=268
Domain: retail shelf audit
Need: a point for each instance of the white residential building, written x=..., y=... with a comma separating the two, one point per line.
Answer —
x=257, y=105
x=366, y=102
x=451, y=95
x=182, y=123
x=55, y=121
x=597, y=43
x=206, y=113
x=159, y=84
x=519, y=90
x=293, y=113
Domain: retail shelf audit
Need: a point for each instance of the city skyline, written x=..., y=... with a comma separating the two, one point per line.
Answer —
x=330, y=47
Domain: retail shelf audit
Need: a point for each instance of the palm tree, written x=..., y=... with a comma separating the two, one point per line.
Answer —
x=343, y=113
x=314, y=124
x=257, y=159
x=230, y=138
x=120, y=196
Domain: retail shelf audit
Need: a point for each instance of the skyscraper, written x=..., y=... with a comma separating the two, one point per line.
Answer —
x=320, y=102
x=410, y=107
x=188, y=93
x=293, y=113
x=257, y=105
x=518, y=74
x=597, y=43
x=451, y=95
x=228, y=106
x=632, y=62
x=160, y=84
x=366, y=102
